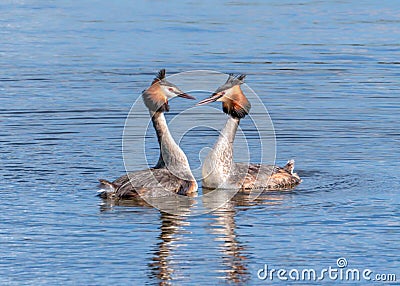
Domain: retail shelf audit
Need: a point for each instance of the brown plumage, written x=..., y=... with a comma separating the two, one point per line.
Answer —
x=236, y=104
x=149, y=183
x=268, y=177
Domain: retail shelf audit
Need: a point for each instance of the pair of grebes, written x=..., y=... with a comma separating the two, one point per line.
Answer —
x=172, y=172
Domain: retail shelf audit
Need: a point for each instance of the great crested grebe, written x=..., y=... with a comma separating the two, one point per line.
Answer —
x=219, y=170
x=172, y=172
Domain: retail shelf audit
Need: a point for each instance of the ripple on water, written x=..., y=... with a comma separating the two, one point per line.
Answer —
x=70, y=75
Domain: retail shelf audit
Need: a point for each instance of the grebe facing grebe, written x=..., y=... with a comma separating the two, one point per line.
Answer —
x=172, y=172
x=219, y=169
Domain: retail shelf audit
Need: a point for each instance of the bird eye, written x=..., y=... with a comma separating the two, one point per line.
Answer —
x=170, y=89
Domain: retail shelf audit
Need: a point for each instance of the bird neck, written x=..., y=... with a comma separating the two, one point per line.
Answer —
x=219, y=162
x=171, y=155
x=228, y=133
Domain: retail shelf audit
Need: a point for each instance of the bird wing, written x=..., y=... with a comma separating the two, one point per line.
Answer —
x=153, y=183
x=269, y=177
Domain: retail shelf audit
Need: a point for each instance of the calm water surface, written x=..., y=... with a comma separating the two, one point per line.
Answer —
x=328, y=71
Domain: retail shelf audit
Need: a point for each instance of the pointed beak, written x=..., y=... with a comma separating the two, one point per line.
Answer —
x=212, y=98
x=185, y=95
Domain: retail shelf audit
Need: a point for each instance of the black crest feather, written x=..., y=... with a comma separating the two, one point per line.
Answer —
x=235, y=79
x=231, y=81
x=161, y=74
x=241, y=77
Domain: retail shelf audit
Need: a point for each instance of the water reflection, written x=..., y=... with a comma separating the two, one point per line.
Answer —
x=234, y=254
x=222, y=224
x=109, y=204
x=233, y=251
x=161, y=265
x=169, y=204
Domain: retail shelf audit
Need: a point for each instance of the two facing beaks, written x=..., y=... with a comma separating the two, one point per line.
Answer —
x=229, y=93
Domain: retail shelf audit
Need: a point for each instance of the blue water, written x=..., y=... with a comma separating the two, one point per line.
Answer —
x=328, y=71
